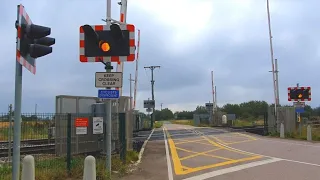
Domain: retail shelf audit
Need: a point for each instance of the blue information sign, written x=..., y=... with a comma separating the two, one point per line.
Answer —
x=108, y=94
x=300, y=110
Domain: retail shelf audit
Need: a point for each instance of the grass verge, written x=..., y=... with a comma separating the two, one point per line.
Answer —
x=300, y=136
x=29, y=130
x=183, y=122
x=157, y=124
x=241, y=123
x=55, y=169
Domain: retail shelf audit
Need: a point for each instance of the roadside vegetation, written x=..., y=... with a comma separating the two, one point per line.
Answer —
x=55, y=169
x=183, y=122
x=158, y=124
x=29, y=130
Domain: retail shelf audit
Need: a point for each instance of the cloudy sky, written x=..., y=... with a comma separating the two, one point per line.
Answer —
x=187, y=38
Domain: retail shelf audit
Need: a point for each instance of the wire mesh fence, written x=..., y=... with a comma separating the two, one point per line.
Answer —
x=60, y=142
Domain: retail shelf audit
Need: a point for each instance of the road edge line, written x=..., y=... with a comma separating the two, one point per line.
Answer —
x=169, y=165
x=143, y=147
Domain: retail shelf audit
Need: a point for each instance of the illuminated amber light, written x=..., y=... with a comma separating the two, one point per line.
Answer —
x=300, y=96
x=104, y=46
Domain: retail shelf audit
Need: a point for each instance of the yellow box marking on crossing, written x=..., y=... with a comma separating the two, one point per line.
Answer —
x=181, y=170
x=249, y=138
x=202, y=154
x=178, y=169
x=237, y=142
x=194, y=155
x=220, y=164
x=197, y=142
x=189, y=141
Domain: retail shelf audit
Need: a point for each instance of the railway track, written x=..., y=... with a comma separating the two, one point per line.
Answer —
x=38, y=149
x=34, y=146
x=30, y=141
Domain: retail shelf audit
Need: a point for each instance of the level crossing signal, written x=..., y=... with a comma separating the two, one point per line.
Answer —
x=32, y=40
x=299, y=94
x=112, y=43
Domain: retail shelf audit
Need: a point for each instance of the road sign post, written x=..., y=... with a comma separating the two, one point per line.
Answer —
x=149, y=104
x=31, y=43
x=299, y=95
x=113, y=42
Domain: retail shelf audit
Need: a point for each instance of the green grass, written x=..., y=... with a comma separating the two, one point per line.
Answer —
x=29, y=130
x=303, y=136
x=183, y=122
x=55, y=169
x=241, y=123
x=157, y=124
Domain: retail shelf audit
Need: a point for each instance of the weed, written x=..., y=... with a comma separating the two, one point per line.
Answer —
x=55, y=169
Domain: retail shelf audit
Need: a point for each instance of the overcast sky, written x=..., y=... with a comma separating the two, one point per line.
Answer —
x=187, y=38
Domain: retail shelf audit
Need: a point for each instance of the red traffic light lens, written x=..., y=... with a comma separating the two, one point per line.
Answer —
x=104, y=46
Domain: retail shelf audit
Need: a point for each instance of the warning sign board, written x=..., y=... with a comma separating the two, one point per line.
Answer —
x=81, y=124
x=97, y=123
x=81, y=130
x=109, y=79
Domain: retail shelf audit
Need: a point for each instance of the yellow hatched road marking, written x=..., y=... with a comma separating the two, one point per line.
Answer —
x=180, y=169
x=203, y=154
x=194, y=155
x=188, y=141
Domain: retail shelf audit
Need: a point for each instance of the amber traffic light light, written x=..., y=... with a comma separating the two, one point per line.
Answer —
x=104, y=46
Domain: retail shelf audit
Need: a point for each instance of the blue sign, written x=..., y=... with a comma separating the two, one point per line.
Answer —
x=108, y=94
x=300, y=110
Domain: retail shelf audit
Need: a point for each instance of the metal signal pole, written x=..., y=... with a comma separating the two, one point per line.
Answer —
x=152, y=91
x=108, y=68
x=131, y=80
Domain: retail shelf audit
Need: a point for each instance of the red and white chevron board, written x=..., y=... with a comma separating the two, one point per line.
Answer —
x=129, y=58
x=295, y=88
x=23, y=14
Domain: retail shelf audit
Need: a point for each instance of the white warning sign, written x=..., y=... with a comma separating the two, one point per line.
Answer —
x=97, y=125
x=108, y=79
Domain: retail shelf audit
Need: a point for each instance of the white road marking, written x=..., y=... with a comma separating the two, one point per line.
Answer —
x=289, y=160
x=170, y=175
x=143, y=147
x=232, y=169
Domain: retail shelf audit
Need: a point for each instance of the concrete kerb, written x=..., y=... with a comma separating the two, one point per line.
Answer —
x=143, y=147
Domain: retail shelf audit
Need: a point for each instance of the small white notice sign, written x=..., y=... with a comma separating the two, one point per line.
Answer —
x=81, y=130
x=109, y=79
x=97, y=125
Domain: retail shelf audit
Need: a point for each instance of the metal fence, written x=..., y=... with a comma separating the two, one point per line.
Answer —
x=59, y=142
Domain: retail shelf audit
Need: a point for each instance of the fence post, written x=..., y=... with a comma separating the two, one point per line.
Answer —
x=69, y=144
x=309, y=133
x=122, y=136
x=281, y=130
x=10, y=133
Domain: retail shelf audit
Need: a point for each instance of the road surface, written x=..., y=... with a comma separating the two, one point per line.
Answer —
x=189, y=153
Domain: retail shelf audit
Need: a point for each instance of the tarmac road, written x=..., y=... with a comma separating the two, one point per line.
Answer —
x=180, y=152
x=211, y=153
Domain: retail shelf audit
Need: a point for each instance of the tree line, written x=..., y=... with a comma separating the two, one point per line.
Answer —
x=246, y=110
